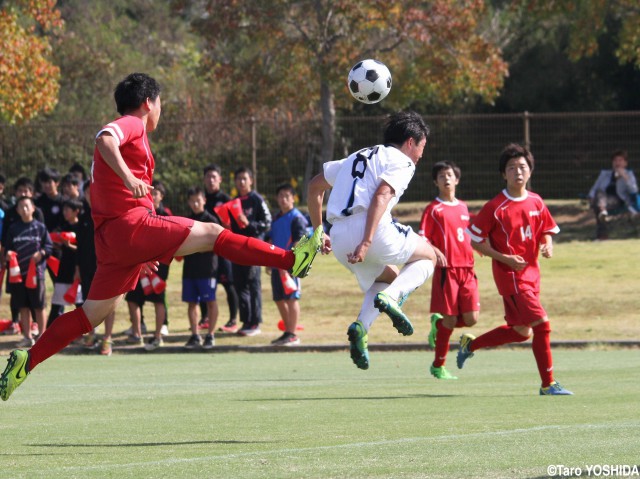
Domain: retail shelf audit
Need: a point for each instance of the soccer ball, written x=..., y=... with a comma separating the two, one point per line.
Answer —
x=369, y=81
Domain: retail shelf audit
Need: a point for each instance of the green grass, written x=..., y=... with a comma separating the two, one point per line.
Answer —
x=295, y=415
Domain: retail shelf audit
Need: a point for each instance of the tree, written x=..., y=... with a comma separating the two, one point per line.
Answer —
x=29, y=81
x=295, y=54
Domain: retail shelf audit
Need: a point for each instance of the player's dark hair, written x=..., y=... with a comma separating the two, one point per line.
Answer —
x=25, y=197
x=23, y=181
x=133, y=91
x=404, y=125
x=75, y=205
x=287, y=187
x=211, y=167
x=3, y=179
x=243, y=169
x=513, y=150
x=159, y=185
x=445, y=165
x=195, y=190
x=622, y=153
x=48, y=174
x=70, y=179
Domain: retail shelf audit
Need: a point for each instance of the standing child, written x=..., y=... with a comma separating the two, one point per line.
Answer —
x=30, y=240
x=512, y=229
x=455, y=300
x=287, y=228
x=199, y=277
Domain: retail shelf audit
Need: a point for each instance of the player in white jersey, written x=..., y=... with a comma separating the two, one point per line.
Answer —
x=364, y=188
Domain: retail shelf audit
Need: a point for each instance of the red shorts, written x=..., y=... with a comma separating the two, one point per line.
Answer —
x=523, y=309
x=454, y=291
x=125, y=243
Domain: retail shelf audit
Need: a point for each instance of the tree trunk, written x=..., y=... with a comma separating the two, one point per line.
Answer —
x=328, y=123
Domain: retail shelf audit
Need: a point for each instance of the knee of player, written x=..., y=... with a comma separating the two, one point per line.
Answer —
x=470, y=319
x=524, y=331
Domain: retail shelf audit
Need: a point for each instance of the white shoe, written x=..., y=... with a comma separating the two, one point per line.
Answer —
x=164, y=331
x=26, y=343
x=154, y=344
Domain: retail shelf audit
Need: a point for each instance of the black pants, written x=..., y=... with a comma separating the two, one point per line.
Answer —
x=246, y=280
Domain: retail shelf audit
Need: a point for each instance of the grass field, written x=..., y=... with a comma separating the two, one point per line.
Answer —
x=308, y=415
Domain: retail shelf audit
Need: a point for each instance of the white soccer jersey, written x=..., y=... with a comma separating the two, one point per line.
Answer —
x=355, y=179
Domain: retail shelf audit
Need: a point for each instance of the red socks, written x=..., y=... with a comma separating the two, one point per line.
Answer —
x=252, y=251
x=496, y=337
x=442, y=345
x=541, y=346
x=65, y=329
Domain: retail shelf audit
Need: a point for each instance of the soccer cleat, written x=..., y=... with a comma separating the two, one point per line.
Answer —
x=15, y=373
x=441, y=373
x=555, y=389
x=386, y=304
x=194, y=341
x=154, y=343
x=435, y=317
x=305, y=252
x=464, y=353
x=287, y=339
x=209, y=342
x=106, y=348
x=359, y=341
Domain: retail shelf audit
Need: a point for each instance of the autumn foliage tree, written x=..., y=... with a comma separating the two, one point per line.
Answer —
x=29, y=82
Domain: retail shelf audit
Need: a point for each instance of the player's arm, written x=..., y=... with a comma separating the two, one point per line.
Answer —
x=315, y=198
x=108, y=147
x=546, y=246
x=381, y=198
x=515, y=262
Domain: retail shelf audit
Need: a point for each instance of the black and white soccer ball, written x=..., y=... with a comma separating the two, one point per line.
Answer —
x=369, y=81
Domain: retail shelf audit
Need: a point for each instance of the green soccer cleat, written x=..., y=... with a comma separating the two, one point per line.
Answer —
x=386, y=304
x=305, y=252
x=435, y=317
x=15, y=373
x=359, y=340
x=464, y=353
x=555, y=389
x=441, y=373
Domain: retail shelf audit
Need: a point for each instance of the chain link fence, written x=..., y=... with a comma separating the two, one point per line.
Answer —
x=569, y=148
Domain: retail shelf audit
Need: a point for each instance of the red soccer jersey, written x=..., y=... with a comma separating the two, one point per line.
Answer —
x=444, y=224
x=110, y=198
x=514, y=226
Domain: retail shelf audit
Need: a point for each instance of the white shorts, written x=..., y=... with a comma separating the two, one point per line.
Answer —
x=393, y=244
x=59, y=290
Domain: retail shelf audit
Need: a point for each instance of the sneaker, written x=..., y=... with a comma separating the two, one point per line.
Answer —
x=164, y=330
x=305, y=252
x=287, y=339
x=194, y=341
x=134, y=340
x=435, y=317
x=441, y=373
x=34, y=329
x=359, y=341
x=143, y=328
x=15, y=373
x=106, y=347
x=555, y=389
x=203, y=325
x=89, y=341
x=603, y=215
x=249, y=331
x=386, y=304
x=14, y=328
x=209, y=341
x=230, y=327
x=154, y=343
x=26, y=343
x=463, y=352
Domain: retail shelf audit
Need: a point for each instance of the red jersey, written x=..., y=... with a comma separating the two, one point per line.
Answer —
x=514, y=226
x=110, y=198
x=443, y=224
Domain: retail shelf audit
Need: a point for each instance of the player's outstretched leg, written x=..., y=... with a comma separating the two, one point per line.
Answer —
x=555, y=389
x=359, y=341
x=386, y=304
x=464, y=352
x=305, y=252
x=15, y=373
x=435, y=317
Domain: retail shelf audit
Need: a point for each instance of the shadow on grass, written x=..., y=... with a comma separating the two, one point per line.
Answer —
x=358, y=398
x=143, y=444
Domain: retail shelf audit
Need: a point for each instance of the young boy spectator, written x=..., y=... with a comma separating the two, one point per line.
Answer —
x=71, y=210
x=30, y=240
x=212, y=177
x=199, y=277
x=455, y=300
x=50, y=201
x=254, y=221
x=512, y=229
x=287, y=228
x=71, y=187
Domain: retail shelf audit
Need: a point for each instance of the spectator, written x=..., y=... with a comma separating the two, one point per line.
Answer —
x=199, y=277
x=4, y=205
x=254, y=221
x=50, y=201
x=615, y=189
x=30, y=240
x=287, y=228
x=216, y=197
x=71, y=187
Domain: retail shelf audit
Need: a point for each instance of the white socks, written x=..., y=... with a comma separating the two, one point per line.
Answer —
x=368, y=312
x=411, y=276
